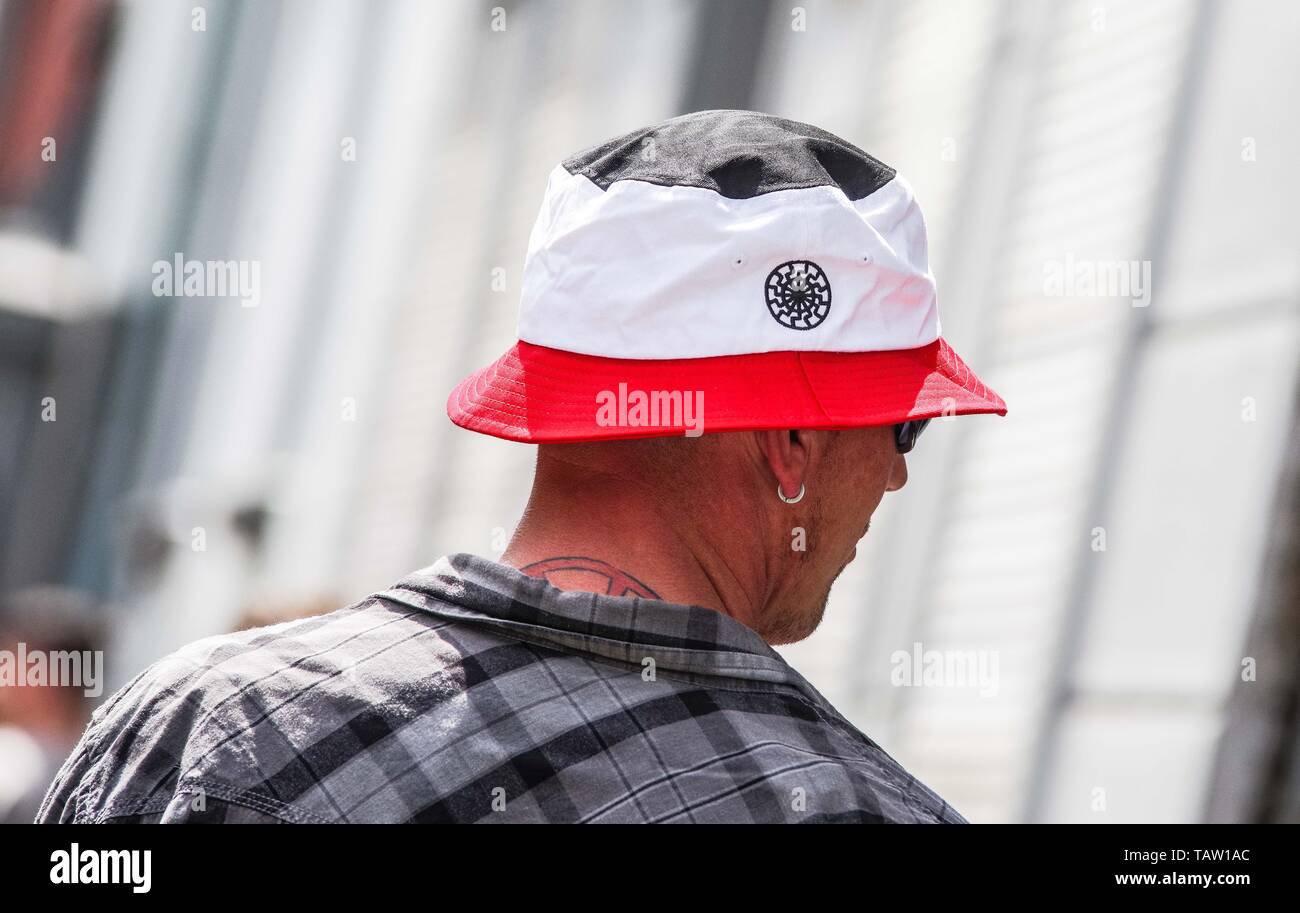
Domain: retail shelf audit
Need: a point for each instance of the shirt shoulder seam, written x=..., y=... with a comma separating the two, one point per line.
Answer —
x=221, y=792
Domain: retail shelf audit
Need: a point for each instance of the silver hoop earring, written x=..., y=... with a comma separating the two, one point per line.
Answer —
x=796, y=499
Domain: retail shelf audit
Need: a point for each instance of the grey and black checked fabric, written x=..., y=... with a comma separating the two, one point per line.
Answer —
x=471, y=692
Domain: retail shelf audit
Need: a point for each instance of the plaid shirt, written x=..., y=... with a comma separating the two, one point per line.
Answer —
x=472, y=692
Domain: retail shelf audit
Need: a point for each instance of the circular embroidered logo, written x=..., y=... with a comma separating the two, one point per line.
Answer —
x=798, y=294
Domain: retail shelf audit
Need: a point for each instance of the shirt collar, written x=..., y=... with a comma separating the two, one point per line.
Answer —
x=686, y=638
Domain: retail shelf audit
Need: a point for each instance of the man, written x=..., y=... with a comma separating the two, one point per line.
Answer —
x=728, y=342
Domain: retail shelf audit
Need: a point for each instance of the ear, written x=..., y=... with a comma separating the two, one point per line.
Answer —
x=788, y=454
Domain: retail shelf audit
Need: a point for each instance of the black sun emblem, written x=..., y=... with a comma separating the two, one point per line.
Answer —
x=798, y=294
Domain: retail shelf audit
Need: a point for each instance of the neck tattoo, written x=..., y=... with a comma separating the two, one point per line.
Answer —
x=571, y=572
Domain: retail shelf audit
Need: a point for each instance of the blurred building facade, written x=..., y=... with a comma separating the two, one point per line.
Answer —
x=1124, y=546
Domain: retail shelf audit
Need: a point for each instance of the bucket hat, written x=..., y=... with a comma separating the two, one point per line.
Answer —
x=722, y=271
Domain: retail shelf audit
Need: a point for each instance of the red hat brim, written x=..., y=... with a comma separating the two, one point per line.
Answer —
x=537, y=394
